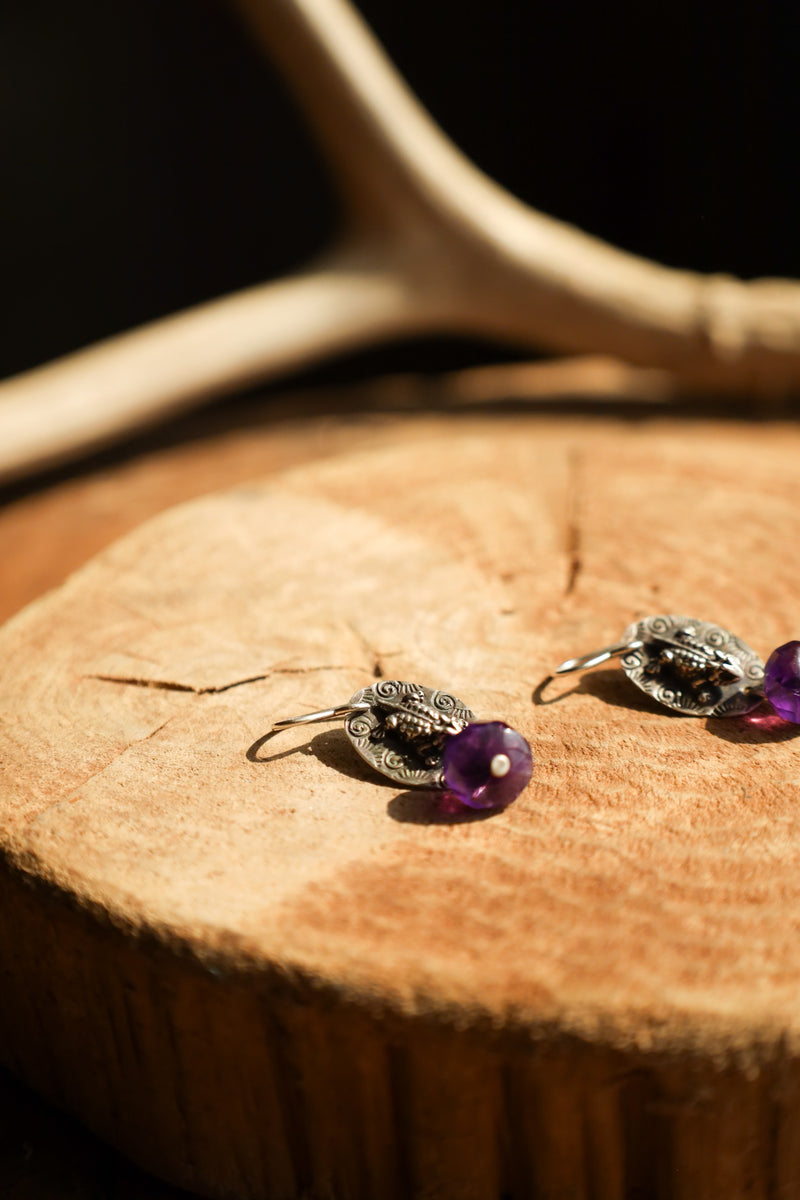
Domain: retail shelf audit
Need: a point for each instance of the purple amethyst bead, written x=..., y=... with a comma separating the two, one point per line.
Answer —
x=486, y=765
x=782, y=681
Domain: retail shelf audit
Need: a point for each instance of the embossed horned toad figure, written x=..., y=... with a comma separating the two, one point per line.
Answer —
x=699, y=666
x=422, y=726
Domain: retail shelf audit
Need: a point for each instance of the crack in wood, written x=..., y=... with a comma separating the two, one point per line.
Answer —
x=375, y=657
x=72, y=794
x=132, y=681
x=574, y=537
x=168, y=685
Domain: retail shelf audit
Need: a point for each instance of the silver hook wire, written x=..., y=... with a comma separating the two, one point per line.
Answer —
x=340, y=712
x=585, y=661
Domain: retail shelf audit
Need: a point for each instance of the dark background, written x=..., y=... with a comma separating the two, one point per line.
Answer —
x=151, y=158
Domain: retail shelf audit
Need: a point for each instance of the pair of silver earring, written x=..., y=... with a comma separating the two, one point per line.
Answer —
x=420, y=737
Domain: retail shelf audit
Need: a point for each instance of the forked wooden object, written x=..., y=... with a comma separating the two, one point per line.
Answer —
x=431, y=245
x=265, y=974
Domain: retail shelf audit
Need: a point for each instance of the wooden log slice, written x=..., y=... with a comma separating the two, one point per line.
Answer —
x=263, y=972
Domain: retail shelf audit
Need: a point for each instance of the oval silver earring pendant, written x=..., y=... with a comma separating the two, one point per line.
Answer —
x=421, y=737
x=691, y=666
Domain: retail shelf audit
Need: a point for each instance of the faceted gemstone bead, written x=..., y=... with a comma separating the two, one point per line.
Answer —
x=782, y=681
x=486, y=765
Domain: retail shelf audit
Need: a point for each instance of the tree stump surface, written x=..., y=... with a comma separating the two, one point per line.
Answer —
x=263, y=971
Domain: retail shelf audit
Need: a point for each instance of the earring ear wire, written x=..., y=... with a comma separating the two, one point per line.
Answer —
x=587, y=661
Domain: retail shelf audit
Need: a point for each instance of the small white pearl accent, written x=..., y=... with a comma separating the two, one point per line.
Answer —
x=500, y=765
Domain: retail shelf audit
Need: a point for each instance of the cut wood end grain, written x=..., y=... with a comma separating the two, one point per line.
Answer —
x=138, y=688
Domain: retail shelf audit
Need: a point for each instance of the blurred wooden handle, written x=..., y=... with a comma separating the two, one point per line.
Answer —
x=432, y=245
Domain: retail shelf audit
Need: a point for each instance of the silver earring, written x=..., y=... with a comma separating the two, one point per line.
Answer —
x=688, y=665
x=421, y=737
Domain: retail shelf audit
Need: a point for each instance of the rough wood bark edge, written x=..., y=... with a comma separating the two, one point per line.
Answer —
x=232, y=1085
x=432, y=245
